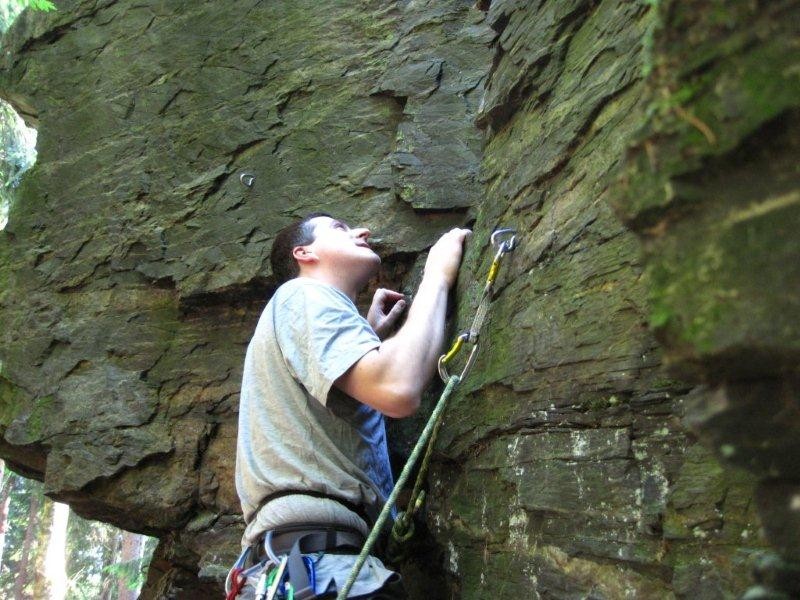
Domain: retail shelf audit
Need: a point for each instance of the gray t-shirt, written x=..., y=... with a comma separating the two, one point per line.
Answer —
x=297, y=432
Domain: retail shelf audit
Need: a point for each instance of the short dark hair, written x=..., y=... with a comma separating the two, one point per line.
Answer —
x=299, y=233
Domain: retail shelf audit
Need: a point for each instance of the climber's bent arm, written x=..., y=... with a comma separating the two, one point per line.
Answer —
x=392, y=377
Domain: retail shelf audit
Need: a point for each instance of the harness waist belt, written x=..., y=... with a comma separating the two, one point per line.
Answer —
x=313, y=538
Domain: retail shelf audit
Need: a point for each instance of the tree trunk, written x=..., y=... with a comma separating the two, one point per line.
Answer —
x=27, y=546
x=55, y=560
x=41, y=588
x=132, y=545
x=106, y=592
x=5, y=499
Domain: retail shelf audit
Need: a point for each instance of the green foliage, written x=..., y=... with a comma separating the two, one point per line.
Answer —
x=10, y=9
x=92, y=549
x=131, y=573
x=17, y=155
x=17, y=141
x=43, y=5
x=22, y=490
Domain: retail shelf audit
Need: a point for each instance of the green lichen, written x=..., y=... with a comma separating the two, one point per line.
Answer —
x=10, y=402
x=40, y=416
x=707, y=291
x=689, y=278
x=16, y=406
x=695, y=113
x=665, y=383
x=653, y=23
x=603, y=402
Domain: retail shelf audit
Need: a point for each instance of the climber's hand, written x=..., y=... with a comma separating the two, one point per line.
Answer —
x=444, y=257
x=386, y=308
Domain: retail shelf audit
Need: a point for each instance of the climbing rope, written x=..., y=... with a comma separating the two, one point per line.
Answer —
x=505, y=241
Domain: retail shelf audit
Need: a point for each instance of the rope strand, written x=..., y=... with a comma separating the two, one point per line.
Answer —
x=387, y=508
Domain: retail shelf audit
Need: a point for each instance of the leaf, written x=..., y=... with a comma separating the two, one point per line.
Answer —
x=42, y=5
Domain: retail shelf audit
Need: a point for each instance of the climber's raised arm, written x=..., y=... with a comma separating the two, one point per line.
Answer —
x=392, y=377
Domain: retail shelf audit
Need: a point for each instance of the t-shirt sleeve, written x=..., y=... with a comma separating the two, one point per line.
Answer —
x=321, y=335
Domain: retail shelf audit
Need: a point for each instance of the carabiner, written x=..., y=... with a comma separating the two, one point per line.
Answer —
x=276, y=577
x=442, y=365
x=505, y=240
x=247, y=179
x=457, y=345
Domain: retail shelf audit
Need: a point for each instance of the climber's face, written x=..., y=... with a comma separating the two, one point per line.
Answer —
x=339, y=248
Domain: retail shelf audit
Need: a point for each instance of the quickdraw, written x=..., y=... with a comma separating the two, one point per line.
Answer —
x=505, y=241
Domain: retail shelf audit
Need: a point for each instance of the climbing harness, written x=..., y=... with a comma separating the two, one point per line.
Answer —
x=505, y=241
x=280, y=565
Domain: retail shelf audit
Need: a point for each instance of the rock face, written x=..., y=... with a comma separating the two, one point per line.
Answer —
x=713, y=191
x=646, y=152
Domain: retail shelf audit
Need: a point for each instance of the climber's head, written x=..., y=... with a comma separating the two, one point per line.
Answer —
x=323, y=247
x=299, y=233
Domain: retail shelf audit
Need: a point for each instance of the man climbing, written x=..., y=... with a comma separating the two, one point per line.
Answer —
x=312, y=466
